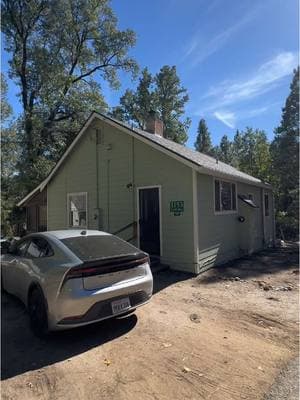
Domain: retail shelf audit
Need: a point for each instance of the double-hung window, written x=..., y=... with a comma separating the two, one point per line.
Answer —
x=77, y=207
x=225, y=197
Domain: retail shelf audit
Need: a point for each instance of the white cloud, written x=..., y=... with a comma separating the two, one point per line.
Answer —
x=227, y=117
x=264, y=79
x=230, y=118
x=200, y=48
x=254, y=112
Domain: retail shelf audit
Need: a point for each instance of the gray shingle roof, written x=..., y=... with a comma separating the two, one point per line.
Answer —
x=200, y=159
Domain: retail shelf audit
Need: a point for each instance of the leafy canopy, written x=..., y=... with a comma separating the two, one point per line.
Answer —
x=57, y=49
x=163, y=94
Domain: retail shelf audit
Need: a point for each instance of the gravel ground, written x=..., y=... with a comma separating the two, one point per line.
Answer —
x=286, y=386
x=224, y=335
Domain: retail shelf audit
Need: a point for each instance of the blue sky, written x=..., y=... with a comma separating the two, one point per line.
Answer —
x=234, y=57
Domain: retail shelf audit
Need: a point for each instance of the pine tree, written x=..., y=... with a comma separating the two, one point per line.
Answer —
x=135, y=105
x=203, y=142
x=225, y=152
x=163, y=94
x=285, y=153
x=170, y=99
x=237, y=146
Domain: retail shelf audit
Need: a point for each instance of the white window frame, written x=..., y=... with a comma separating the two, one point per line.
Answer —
x=68, y=209
x=225, y=212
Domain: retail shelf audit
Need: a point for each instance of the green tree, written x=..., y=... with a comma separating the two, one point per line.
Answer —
x=237, y=148
x=57, y=48
x=285, y=153
x=163, y=94
x=251, y=153
x=225, y=150
x=171, y=98
x=203, y=142
x=10, y=150
x=135, y=105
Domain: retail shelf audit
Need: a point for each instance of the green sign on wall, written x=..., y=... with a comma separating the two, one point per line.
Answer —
x=177, y=207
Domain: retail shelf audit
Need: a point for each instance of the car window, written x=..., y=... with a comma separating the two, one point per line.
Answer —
x=98, y=247
x=39, y=247
x=20, y=249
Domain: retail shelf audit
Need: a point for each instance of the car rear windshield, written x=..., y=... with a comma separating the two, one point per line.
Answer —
x=99, y=247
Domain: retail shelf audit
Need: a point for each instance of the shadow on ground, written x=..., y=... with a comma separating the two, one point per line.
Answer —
x=167, y=277
x=22, y=351
x=265, y=262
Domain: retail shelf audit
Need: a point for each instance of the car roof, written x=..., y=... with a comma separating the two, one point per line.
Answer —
x=71, y=233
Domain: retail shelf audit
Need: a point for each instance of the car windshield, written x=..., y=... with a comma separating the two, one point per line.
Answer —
x=99, y=247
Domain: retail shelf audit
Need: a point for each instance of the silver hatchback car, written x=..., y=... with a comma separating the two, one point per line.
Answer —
x=70, y=278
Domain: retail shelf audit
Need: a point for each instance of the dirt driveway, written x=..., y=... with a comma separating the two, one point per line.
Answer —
x=223, y=335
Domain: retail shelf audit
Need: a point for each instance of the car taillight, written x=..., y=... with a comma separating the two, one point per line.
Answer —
x=105, y=268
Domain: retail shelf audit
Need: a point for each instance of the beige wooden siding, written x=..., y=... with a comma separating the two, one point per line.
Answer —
x=78, y=174
x=125, y=164
x=223, y=237
x=175, y=179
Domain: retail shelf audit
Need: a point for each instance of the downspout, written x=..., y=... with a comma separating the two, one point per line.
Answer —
x=274, y=222
x=108, y=194
x=98, y=133
x=134, y=233
x=263, y=215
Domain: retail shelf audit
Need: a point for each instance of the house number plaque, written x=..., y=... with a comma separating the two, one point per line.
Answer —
x=177, y=207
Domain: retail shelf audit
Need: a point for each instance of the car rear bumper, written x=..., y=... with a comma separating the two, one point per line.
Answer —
x=83, y=307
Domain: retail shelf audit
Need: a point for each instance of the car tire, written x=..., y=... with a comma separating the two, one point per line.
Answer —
x=38, y=313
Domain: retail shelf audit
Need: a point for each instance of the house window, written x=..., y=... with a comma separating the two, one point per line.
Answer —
x=225, y=196
x=77, y=206
x=267, y=211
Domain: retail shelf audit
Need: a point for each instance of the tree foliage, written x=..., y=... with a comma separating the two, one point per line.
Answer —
x=203, y=142
x=135, y=105
x=161, y=93
x=10, y=150
x=225, y=150
x=57, y=48
x=285, y=153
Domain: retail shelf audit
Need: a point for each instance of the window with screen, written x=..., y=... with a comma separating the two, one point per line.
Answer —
x=267, y=210
x=77, y=206
x=225, y=196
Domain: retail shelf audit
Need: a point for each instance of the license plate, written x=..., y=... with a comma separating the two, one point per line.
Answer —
x=121, y=305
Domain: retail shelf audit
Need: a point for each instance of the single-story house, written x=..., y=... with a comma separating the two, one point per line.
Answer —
x=190, y=210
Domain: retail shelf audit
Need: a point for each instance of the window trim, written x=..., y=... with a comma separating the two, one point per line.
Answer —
x=226, y=212
x=68, y=210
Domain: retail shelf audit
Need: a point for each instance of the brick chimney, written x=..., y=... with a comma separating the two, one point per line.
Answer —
x=154, y=124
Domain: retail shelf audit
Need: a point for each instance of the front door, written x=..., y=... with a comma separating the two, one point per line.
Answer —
x=149, y=220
